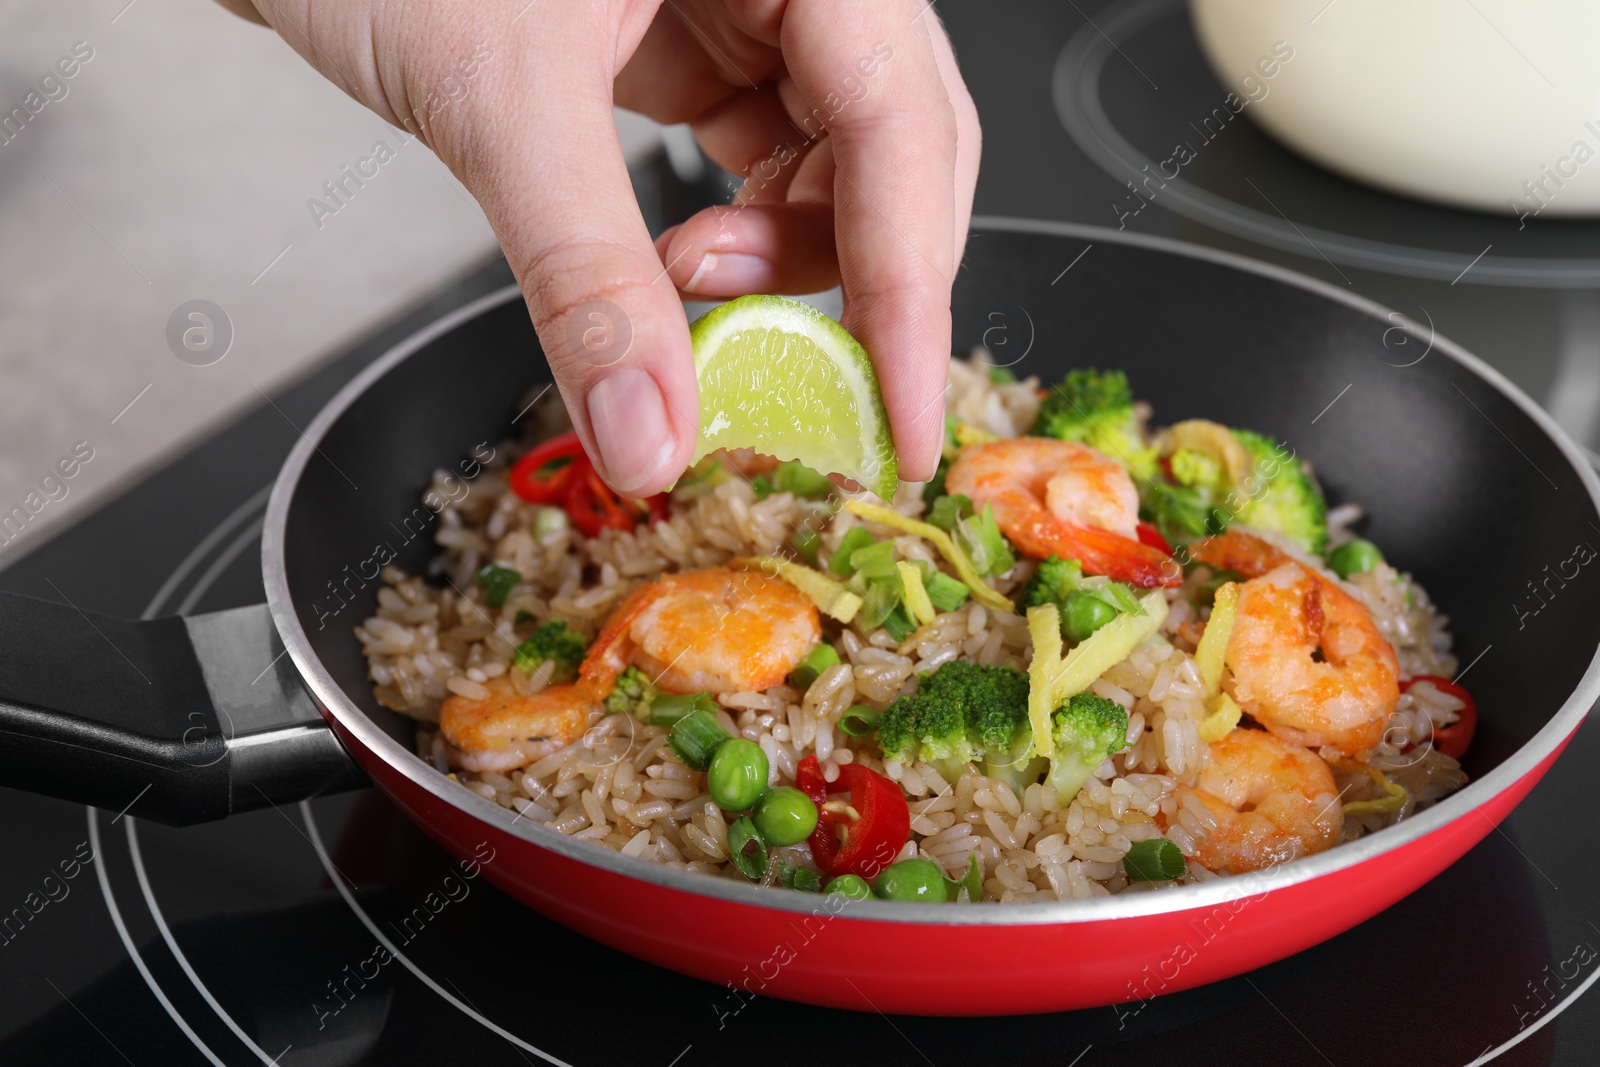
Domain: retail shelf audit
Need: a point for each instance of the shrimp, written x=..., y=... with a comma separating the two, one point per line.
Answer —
x=1065, y=499
x=506, y=730
x=715, y=630
x=1271, y=801
x=1307, y=660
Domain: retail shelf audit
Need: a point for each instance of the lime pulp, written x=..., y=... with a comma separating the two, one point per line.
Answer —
x=780, y=377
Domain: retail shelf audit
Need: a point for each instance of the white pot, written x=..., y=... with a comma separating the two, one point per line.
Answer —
x=1486, y=104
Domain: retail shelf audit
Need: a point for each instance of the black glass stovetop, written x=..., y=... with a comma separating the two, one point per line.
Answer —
x=254, y=940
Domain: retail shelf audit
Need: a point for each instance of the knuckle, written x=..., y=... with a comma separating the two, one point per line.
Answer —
x=572, y=280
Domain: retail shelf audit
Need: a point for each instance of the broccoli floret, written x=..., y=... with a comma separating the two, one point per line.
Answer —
x=1096, y=408
x=960, y=712
x=1050, y=584
x=552, y=641
x=1181, y=513
x=1086, y=730
x=1202, y=499
x=1193, y=469
x=993, y=700
x=897, y=730
x=633, y=694
x=1285, y=497
x=942, y=731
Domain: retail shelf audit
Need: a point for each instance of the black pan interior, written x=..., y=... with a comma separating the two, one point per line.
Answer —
x=1461, y=486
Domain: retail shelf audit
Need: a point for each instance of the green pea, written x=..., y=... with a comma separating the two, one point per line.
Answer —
x=785, y=816
x=913, y=880
x=1083, y=614
x=737, y=775
x=851, y=885
x=1354, y=557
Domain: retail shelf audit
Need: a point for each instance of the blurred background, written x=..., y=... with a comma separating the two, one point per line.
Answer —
x=177, y=166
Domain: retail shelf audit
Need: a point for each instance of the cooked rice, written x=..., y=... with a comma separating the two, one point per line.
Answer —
x=622, y=787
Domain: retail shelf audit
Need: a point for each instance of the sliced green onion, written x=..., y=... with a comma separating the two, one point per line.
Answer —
x=695, y=737
x=762, y=486
x=946, y=592
x=496, y=581
x=986, y=546
x=857, y=537
x=859, y=721
x=947, y=511
x=874, y=561
x=802, y=878
x=1118, y=595
x=746, y=849
x=820, y=658
x=668, y=708
x=971, y=881
x=806, y=542
x=797, y=478
x=1001, y=375
x=898, y=625
x=547, y=521
x=1156, y=860
x=880, y=597
x=883, y=598
x=700, y=479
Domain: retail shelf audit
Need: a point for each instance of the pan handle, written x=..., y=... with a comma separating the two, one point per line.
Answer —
x=174, y=720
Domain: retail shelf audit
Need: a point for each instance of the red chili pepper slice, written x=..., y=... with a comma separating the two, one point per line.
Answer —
x=578, y=488
x=1151, y=536
x=874, y=838
x=1452, y=740
x=532, y=482
x=591, y=504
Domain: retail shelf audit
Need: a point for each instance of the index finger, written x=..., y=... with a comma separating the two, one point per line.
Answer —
x=870, y=74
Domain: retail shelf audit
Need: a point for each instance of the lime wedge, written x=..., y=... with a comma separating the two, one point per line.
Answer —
x=782, y=378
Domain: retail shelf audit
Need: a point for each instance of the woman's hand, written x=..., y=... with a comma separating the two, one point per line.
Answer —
x=847, y=118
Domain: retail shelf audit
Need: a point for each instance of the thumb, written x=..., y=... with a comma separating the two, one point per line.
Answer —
x=546, y=165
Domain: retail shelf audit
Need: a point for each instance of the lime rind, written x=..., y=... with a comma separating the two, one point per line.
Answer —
x=781, y=377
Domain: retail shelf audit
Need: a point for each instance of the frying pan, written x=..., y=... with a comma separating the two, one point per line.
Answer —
x=1465, y=481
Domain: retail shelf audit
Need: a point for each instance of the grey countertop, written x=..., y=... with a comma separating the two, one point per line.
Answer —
x=176, y=164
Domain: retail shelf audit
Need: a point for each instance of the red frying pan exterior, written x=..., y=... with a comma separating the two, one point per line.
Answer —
x=831, y=958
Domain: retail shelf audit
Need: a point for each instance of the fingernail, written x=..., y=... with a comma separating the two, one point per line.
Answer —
x=724, y=272
x=631, y=428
